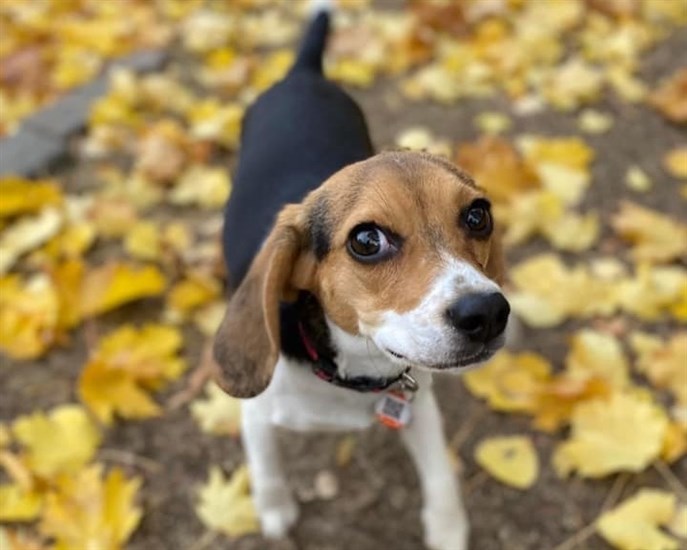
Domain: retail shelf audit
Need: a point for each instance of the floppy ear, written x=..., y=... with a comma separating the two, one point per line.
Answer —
x=247, y=343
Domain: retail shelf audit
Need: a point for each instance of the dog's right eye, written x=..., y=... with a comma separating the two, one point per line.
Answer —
x=368, y=243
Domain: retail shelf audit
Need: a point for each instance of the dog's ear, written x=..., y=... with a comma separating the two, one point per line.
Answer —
x=247, y=343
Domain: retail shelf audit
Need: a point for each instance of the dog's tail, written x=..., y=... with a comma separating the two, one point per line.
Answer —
x=315, y=39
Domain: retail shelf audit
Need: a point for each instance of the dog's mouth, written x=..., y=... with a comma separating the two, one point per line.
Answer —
x=462, y=361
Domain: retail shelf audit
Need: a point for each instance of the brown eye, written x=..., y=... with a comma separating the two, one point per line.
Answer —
x=368, y=243
x=477, y=218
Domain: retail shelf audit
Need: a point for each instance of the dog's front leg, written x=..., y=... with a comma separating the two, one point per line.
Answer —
x=443, y=515
x=273, y=499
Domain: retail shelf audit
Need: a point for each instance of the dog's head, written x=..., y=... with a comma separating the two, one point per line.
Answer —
x=400, y=249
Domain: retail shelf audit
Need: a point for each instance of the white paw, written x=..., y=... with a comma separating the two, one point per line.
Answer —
x=276, y=520
x=446, y=529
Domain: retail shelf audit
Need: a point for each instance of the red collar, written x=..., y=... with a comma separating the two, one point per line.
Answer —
x=326, y=369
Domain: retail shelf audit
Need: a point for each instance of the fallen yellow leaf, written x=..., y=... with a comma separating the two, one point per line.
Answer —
x=663, y=363
x=26, y=235
x=227, y=506
x=21, y=196
x=61, y=442
x=126, y=365
x=114, y=284
x=86, y=511
x=29, y=312
x=510, y=382
x=655, y=237
x=635, y=523
x=510, y=459
x=597, y=355
x=675, y=161
x=18, y=504
x=623, y=433
x=219, y=414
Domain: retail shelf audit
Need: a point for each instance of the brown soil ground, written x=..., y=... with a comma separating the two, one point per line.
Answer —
x=378, y=504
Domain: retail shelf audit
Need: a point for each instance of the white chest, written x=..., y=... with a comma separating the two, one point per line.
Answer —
x=299, y=400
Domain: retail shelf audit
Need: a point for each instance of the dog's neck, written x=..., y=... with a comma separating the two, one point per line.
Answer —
x=354, y=355
x=359, y=356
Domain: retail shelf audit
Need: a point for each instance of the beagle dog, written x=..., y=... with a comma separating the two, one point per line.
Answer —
x=354, y=277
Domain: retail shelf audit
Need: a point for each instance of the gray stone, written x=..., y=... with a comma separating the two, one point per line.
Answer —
x=69, y=113
x=28, y=153
x=144, y=61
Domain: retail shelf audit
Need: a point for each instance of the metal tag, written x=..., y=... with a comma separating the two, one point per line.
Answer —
x=393, y=410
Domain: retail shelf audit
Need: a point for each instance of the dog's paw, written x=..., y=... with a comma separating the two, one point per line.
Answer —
x=276, y=520
x=446, y=529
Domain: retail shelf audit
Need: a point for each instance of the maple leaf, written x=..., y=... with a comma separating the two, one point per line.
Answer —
x=622, y=433
x=654, y=291
x=669, y=97
x=497, y=167
x=557, y=400
x=655, y=237
x=203, y=186
x=126, y=363
x=21, y=196
x=215, y=121
x=27, y=234
x=675, y=161
x=510, y=459
x=61, y=442
x=86, y=511
x=227, y=506
x=114, y=284
x=29, y=313
x=18, y=504
x=634, y=524
x=663, y=363
x=510, y=382
x=597, y=355
x=562, y=164
x=219, y=414
x=548, y=292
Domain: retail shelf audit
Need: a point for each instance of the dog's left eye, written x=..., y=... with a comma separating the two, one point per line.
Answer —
x=477, y=218
x=369, y=243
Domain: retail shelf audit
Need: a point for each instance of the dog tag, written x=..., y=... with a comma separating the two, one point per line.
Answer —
x=393, y=410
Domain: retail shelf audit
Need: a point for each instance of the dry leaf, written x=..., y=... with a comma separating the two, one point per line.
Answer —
x=675, y=161
x=26, y=235
x=219, y=414
x=227, y=506
x=115, y=284
x=127, y=364
x=29, y=312
x=510, y=382
x=510, y=459
x=202, y=186
x=670, y=98
x=87, y=511
x=655, y=237
x=62, y=442
x=18, y=504
x=594, y=122
x=497, y=167
x=21, y=196
x=637, y=180
x=635, y=523
x=663, y=363
x=194, y=291
x=597, y=355
x=623, y=433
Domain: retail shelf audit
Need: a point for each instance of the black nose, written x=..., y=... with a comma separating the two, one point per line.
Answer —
x=480, y=317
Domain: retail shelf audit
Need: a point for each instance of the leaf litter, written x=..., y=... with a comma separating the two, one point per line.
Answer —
x=172, y=128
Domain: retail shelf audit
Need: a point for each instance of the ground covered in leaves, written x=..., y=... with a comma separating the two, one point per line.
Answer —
x=570, y=113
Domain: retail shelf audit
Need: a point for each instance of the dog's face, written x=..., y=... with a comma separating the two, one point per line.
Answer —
x=400, y=249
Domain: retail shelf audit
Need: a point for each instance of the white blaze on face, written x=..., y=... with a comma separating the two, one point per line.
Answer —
x=423, y=335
